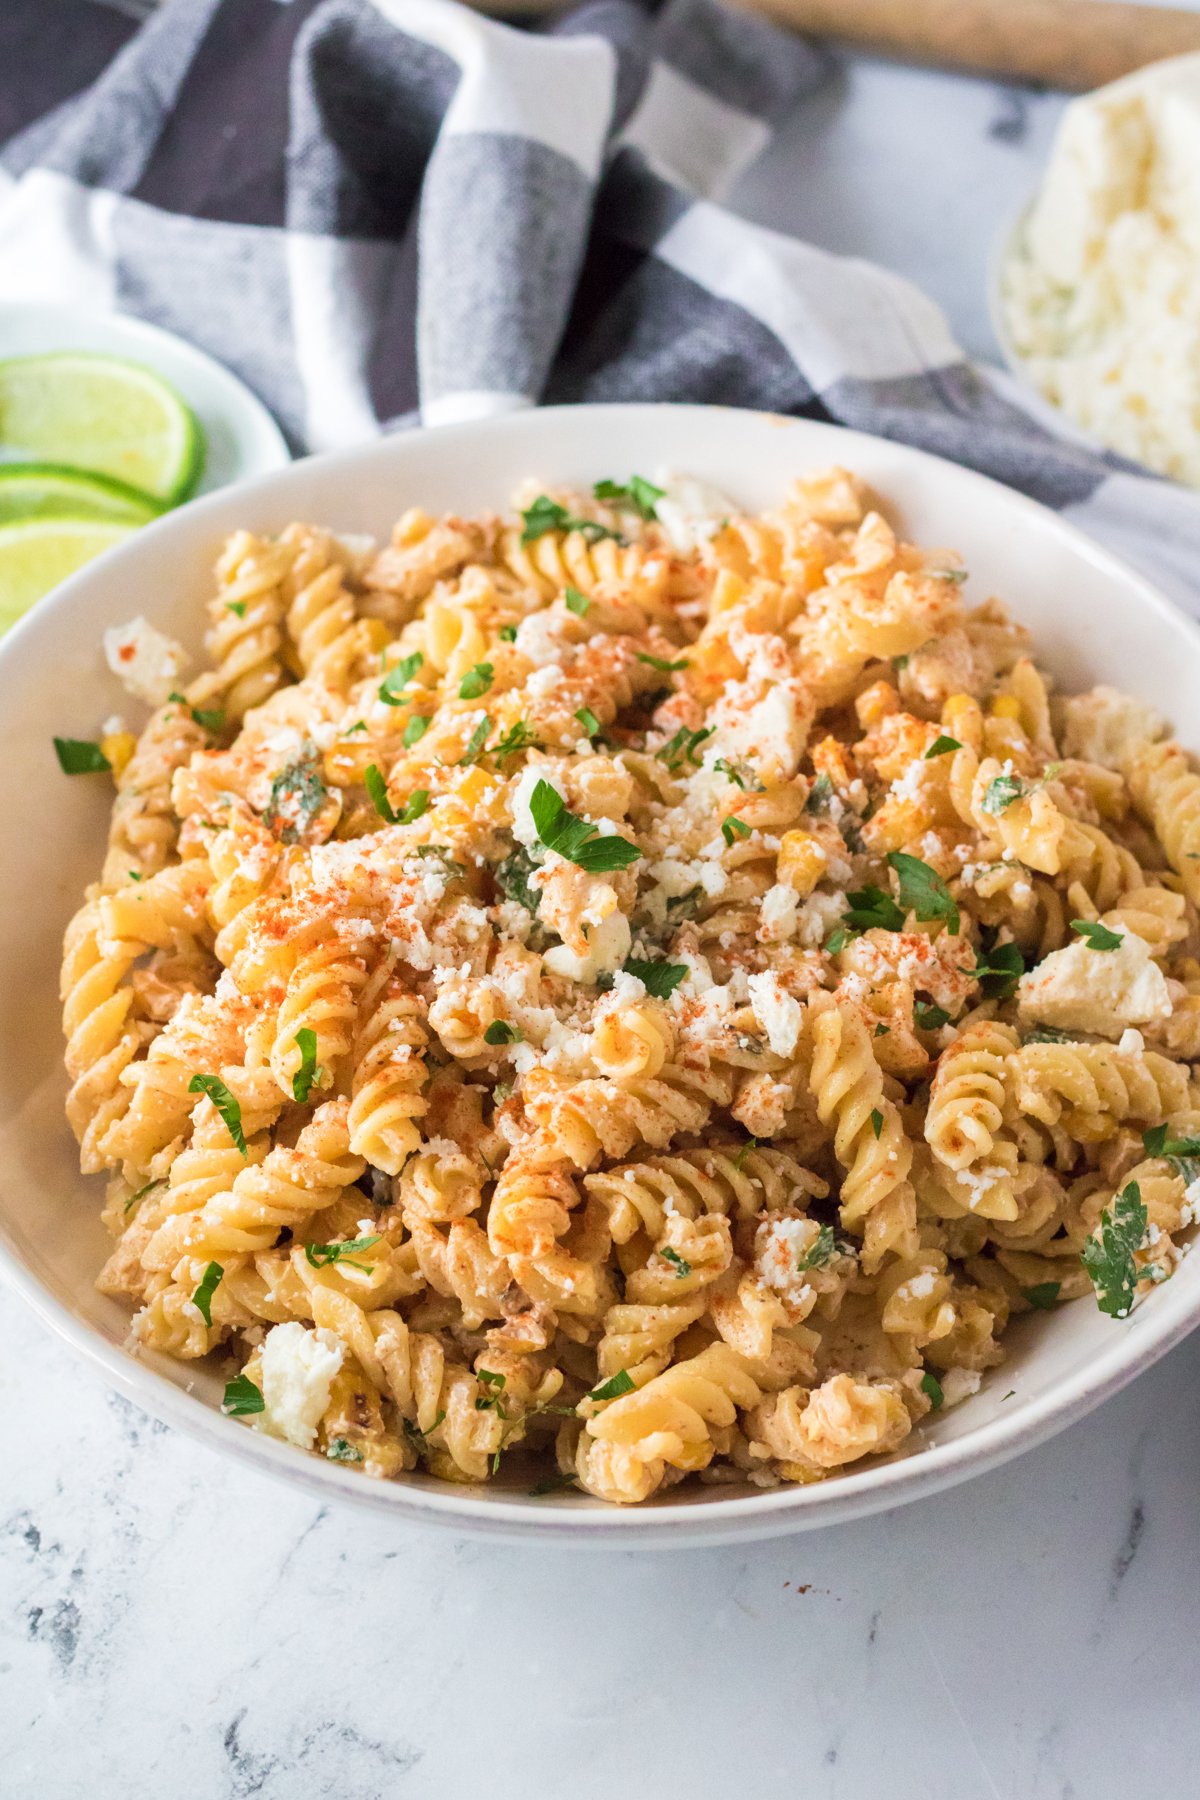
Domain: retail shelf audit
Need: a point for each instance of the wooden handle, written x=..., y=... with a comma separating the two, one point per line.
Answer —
x=1074, y=44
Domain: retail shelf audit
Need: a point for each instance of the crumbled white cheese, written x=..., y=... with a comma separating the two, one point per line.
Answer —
x=538, y=639
x=298, y=1367
x=959, y=1385
x=779, y=909
x=1103, y=295
x=147, y=662
x=1102, y=725
x=779, y=1013
x=1103, y=991
x=609, y=943
x=780, y=1248
x=543, y=681
x=691, y=511
x=817, y=918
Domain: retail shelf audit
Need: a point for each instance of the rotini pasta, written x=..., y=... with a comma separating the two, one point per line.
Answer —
x=634, y=989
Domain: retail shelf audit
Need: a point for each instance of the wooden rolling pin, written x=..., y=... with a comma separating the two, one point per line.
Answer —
x=1075, y=44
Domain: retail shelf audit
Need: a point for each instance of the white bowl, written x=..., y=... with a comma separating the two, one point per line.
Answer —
x=1094, y=619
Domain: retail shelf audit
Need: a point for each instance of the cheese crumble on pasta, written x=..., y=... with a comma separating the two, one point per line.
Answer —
x=600, y=998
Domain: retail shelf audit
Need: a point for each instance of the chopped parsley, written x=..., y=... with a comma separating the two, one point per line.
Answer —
x=640, y=495
x=553, y=1484
x=999, y=971
x=576, y=839
x=1157, y=1143
x=202, y=1298
x=242, y=1398
x=660, y=978
x=376, y=787
x=941, y=746
x=236, y=606
x=661, y=663
x=297, y=796
x=750, y=1144
x=443, y=856
x=837, y=940
x=499, y=1032
x=79, y=756
x=308, y=1074
x=398, y=677
x=589, y=721
x=1043, y=1296
x=1097, y=936
x=342, y=1450
x=819, y=1253
x=156, y=1181
x=415, y=807
x=1049, y=1034
x=930, y=1017
x=324, y=1256
x=739, y=775
x=512, y=877
x=876, y=1122
x=225, y=1103
x=871, y=908
x=358, y=725
x=620, y=1383
x=683, y=747
x=547, y=515
x=507, y=634
x=517, y=738
x=819, y=795
x=476, y=742
x=922, y=890
x=415, y=730
x=733, y=827
x=490, y=1402
x=209, y=720
x=684, y=905
x=476, y=681
x=932, y=1386
x=1110, y=1259
x=576, y=602
x=1001, y=792
x=680, y=1264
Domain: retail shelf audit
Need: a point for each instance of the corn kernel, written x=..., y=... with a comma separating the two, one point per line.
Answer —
x=472, y=785
x=875, y=703
x=118, y=747
x=729, y=590
x=1006, y=706
x=801, y=862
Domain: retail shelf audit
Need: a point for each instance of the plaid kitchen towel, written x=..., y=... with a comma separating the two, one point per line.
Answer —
x=383, y=210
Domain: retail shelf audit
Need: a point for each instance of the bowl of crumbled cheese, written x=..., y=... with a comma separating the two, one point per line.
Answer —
x=1096, y=286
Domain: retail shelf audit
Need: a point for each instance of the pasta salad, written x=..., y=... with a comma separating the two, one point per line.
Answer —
x=627, y=990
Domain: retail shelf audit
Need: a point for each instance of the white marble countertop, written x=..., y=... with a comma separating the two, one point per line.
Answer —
x=173, y=1625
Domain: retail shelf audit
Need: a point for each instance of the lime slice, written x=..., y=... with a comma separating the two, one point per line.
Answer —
x=39, y=553
x=52, y=491
x=101, y=413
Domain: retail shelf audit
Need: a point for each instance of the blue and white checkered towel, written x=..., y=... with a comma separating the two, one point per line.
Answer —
x=379, y=211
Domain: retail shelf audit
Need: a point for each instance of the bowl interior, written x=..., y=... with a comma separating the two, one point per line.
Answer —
x=1093, y=620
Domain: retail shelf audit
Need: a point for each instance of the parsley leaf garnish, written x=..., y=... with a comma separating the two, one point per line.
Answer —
x=1043, y=1295
x=376, y=787
x=208, y=719
x=236, y=606
x=308, y=1073
x=637, y=493
x=930, y=1017
x=870, y=907
x=323, y=1256
x=1157, y=1143
x=876, y=1122
x=507, y=634
x=941, y=746
x=1001, y=792
x=242, y=1397
x=589, y=721
x=661, y=663
x=660, y=978
x=518, y=737
x=79, y=756
x=202, y=1298
x=1110, y=1258
x=820, y=1252
x=414, y=807
x=620, y=1383
x=683, y=745
x=415, y=730
x=733, y=827
x=837, y=940
x=576, y=839
x=476, y=742
x=391, y=688
x=225, y=1103
x=999, y=972
x=342, y=1450
x=547, y=515
x=512, y=877
x=739, y=775
x=576, y=602
x=819, y=795
x=552, y=1484
x=1097, y=936
x=476, y=681
x=922, y=890
x=443, y=855
x=750, y=1144
x=297, y=796
x=679, y=1263
x=933, y=1387
x=500, y=1032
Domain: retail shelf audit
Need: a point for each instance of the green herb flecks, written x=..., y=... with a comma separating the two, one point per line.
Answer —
x=576, y=839
x=1110, y=1258
x=225, y=1103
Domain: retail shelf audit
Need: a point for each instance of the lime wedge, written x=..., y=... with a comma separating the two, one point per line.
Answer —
x=39, y=553
x=52, y=491
x=104, y=414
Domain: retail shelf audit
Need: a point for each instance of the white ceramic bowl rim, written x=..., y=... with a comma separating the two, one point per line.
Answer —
x=1174, y=1309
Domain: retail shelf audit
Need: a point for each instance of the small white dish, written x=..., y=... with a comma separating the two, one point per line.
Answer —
x=243, y=439
x=1094, y=619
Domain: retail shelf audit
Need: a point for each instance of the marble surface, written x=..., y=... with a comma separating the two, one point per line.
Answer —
x=170, y=1624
